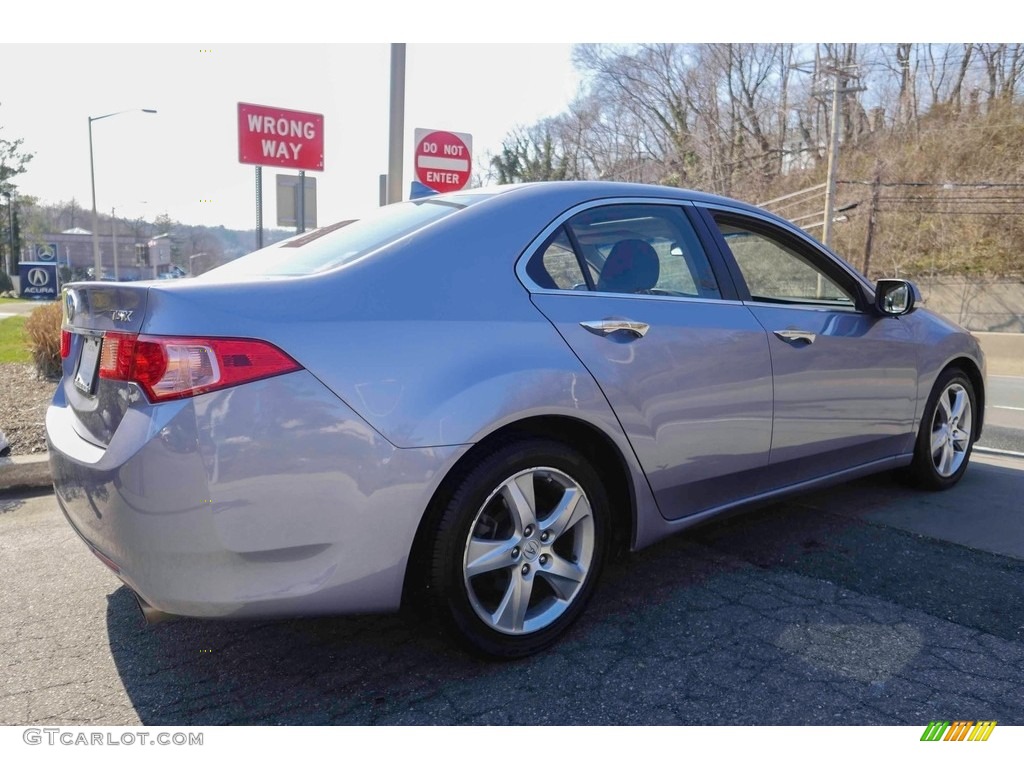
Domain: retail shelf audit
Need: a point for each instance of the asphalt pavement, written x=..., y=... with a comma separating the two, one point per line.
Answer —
x=868, y=603
x=1004, y=414
x=12, y=308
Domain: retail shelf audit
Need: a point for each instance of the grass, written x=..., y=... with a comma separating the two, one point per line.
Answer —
x=13, y=347
x=10, y=301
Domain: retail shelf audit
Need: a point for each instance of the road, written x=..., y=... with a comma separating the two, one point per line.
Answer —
x=865, y=604
x=1004, y=414
x=13, y=308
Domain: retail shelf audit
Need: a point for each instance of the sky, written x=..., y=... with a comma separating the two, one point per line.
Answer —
x=468, y=70
x=183, y=160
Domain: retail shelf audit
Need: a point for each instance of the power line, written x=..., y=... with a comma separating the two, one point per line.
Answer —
x=943, y=184
x=948, y=212
x=957, y=199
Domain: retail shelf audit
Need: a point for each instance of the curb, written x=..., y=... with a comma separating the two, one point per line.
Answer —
x=31, y=471
x=998, y=452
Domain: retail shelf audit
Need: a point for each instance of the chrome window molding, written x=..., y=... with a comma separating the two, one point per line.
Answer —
x=807, y=307
x=645, y=296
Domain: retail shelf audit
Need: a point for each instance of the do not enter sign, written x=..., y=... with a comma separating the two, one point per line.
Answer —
x=444, y=160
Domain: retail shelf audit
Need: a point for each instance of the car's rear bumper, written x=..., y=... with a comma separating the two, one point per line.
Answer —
x=268, y=499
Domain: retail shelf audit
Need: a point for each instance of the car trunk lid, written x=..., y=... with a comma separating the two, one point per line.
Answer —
x=91, y=310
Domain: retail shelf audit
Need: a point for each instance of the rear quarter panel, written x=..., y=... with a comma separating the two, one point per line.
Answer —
x=430, y=340
x=433, y=340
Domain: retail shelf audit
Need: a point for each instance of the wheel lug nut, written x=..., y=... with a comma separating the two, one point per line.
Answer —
x=545, y=536
x=543, y=559
x=528, y=531
x=515, y=553
x=526, y=569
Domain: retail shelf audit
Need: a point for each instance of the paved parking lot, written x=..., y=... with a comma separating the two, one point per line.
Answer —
x=866, y=604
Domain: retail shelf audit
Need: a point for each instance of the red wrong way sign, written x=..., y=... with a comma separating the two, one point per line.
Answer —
x=280, y=137
x=443, y=159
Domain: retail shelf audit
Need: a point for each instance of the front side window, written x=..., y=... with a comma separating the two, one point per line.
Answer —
x=778, y=272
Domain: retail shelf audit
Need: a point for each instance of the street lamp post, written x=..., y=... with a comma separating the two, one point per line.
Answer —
x=10, y=232
x=96, y=259
x=113, y=242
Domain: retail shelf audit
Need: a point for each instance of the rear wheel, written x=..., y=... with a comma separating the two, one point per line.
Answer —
x=946, y=438
x=519, y=548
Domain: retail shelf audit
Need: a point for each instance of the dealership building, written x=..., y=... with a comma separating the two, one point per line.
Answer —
x=137, y=258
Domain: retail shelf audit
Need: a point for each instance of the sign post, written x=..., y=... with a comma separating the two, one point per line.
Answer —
x=284, y=138
x=259, y=207
x=444, y=160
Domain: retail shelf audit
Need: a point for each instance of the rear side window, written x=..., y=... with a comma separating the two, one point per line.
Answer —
x=334, y=246
x=645, y=249
x=555, y=265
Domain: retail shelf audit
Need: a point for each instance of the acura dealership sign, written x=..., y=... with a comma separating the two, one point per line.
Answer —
x=38, y=280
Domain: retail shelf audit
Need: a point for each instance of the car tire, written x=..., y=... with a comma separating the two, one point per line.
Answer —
x=946, y=436
x=519, y=548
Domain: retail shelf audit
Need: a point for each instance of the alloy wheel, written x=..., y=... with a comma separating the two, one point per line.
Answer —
x=951, y=430
x=529, y=551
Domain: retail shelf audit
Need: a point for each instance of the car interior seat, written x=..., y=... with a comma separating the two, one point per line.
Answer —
x=631, y=267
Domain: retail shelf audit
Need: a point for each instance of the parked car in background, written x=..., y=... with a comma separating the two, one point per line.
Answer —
x=467, y=402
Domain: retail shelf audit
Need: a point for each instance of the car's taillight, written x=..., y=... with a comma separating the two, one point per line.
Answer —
x=65, y=343
x=172, y=367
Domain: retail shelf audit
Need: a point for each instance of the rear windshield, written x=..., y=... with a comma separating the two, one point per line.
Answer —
x=339, y=244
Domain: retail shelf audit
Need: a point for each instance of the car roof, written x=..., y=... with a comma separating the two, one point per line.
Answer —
x=592, y=190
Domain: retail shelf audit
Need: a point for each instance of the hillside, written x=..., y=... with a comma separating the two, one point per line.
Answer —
x=930, y=136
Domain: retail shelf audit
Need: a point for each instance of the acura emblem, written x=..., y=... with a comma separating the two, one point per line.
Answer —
x=38, y=277
x=71, y=305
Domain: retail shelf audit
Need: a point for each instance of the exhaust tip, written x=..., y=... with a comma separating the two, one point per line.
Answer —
x=150, y=614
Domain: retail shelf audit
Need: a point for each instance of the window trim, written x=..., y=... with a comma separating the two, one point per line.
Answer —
x=829, y=263
x=719, y=267
x=580, y=258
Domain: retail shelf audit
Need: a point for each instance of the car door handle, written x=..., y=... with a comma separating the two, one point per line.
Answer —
x=604, y=327
x=789, y=335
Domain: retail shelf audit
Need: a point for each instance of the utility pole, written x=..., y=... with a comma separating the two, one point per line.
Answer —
x=396, y=124
x=833, y=160
x=876, y=188
x=838, y=91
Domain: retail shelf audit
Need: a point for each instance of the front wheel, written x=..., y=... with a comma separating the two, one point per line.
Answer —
x=946, y=437
x=519, y=548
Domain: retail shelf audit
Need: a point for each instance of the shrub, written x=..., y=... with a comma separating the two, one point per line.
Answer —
x=6, y=286
x=43, y=331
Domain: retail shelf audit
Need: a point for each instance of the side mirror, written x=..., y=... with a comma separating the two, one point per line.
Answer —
x=895, y=297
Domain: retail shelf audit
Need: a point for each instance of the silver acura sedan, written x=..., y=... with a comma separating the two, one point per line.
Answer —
x=468, y=402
